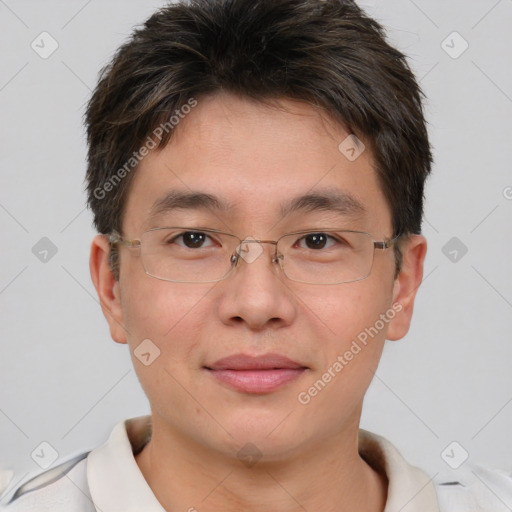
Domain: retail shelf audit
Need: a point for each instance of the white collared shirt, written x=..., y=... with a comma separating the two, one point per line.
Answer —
x=108, y=479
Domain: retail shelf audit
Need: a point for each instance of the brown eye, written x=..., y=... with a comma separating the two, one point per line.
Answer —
x=191, y=240
x=316, y=241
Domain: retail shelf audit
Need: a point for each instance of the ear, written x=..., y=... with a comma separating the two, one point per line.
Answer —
x=406, y=285
x=107, y=287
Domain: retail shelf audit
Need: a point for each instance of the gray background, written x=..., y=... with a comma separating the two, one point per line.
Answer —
x=65, y=382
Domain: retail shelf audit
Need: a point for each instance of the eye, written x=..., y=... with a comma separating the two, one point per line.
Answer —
x=192, y=240
x=316, y=241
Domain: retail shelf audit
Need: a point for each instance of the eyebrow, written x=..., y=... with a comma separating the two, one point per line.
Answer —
x=327, y=200
x=323, y=200
x=175, y=200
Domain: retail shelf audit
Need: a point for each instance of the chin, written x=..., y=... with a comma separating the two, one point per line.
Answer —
x=269, y=433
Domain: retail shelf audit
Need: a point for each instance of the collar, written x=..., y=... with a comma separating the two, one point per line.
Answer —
x=117, y=484
x=115, y=480
x=409, y=488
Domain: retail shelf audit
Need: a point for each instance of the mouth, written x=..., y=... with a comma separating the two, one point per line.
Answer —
x=256, y=375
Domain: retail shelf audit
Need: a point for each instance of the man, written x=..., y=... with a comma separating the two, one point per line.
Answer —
x=256, y=174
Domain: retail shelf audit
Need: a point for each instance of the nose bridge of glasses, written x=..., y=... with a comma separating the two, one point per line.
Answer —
x=250, y=249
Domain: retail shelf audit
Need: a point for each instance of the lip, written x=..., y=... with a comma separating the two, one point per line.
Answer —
x=261, y=374
x=245, y=362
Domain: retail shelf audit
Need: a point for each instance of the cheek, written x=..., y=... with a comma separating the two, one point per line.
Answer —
x=171, y=317
x=354, y=322
x=168, y=314
x=349, y=309
x=349, y=345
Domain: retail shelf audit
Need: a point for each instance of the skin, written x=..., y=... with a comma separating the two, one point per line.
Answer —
x=256, y=157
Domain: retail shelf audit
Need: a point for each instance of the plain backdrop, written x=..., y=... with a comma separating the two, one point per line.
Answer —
x=65, y=382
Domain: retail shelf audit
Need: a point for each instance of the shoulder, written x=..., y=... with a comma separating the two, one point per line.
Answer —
x=475, y=488
x=59, y=489
x=470, y=488
x=105, y=478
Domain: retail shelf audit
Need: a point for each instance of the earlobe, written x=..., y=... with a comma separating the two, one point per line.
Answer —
x=107, y=287
x=406, y=285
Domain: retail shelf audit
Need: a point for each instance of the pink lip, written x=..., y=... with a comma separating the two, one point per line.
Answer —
x=256, y=374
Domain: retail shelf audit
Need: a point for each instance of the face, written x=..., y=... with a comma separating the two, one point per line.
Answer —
x=255, y=159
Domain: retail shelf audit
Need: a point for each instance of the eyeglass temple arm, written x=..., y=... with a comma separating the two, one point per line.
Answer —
x=386, y=244
x=116, y=238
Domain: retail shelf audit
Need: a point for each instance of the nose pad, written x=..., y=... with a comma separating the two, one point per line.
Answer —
x=278, y=258
x=234, y=259
x=251, y=249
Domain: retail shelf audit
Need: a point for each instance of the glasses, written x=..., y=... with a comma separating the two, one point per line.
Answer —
x=196, y=255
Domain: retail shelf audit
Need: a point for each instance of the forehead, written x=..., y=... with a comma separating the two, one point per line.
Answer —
x=260, y=161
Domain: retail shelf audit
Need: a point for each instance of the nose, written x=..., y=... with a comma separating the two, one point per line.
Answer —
x=256, y=292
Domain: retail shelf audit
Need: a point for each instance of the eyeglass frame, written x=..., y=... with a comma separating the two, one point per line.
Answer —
x=115, y=237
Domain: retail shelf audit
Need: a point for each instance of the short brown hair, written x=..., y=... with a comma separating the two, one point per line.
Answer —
x=327, y=53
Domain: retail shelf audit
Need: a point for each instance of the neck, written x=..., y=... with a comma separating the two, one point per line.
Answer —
x=330, y=476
